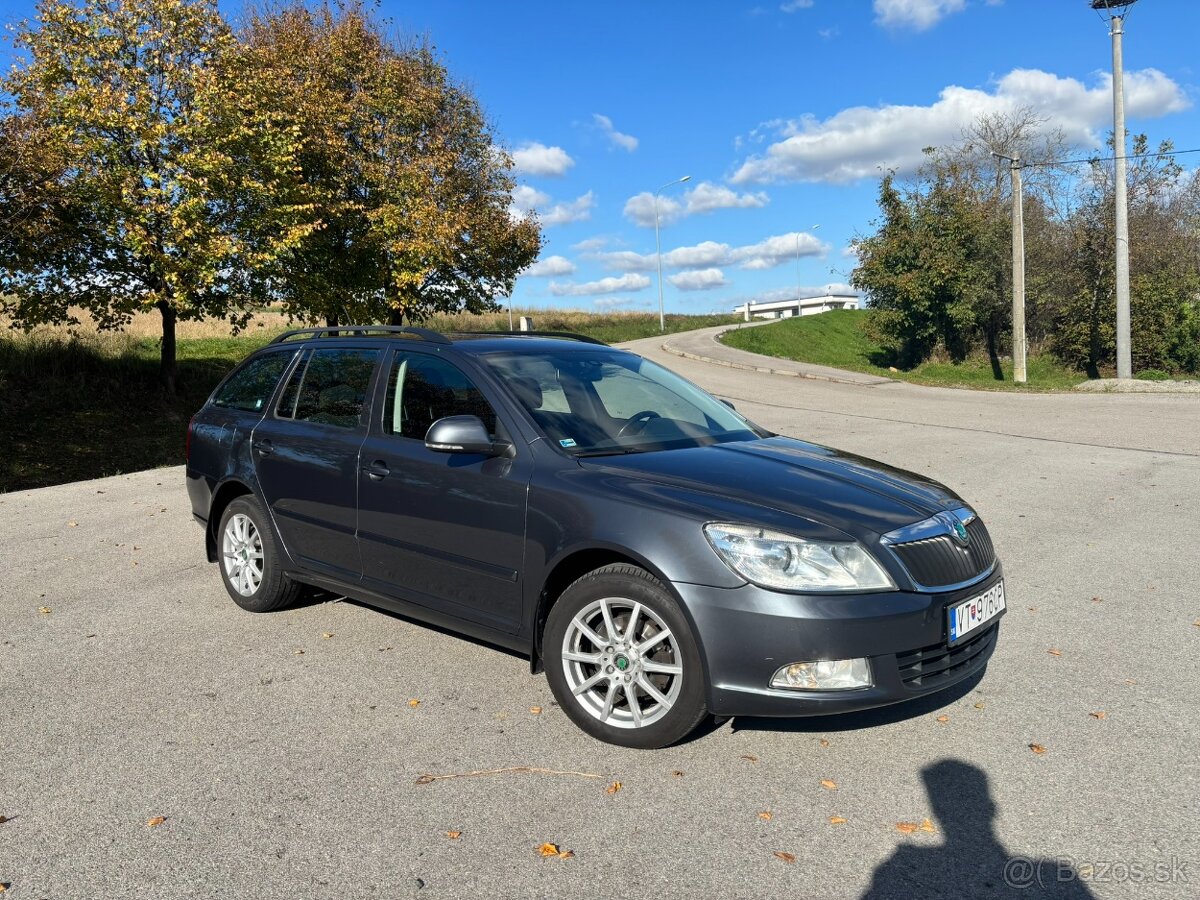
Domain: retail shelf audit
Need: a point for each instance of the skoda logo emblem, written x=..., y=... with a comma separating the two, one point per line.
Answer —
x=960, y=532
x=622, y=663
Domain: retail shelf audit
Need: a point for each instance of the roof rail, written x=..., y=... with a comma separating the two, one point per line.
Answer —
x=567, y=335
x=336, y=330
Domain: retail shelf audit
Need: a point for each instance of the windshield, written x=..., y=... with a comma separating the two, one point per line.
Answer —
x=601, y=402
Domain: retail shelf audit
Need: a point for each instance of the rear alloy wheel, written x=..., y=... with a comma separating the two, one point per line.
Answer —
x=249, y=560
x=628, y=670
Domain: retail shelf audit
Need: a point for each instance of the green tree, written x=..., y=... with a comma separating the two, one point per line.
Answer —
x=409, y=187
x=140, y=174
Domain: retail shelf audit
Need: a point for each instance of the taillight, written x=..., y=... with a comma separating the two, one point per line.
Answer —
x=187, y=442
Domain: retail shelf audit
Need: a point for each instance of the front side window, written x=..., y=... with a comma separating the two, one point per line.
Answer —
x=423, y=389
x=596, y=402
x=329, y=387
x=251, y=386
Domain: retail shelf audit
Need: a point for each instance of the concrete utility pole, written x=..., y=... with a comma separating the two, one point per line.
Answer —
x=1018, y=277
x=1117, y=10
x=1018, y=264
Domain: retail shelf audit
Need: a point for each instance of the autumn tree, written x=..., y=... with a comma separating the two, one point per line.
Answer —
x=411, y=191
x=138, y=175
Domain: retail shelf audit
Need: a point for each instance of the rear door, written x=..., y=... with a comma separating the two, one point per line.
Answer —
x=306, y=457
x=441, y=529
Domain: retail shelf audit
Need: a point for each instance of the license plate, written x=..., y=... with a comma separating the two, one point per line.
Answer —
x=970, y=615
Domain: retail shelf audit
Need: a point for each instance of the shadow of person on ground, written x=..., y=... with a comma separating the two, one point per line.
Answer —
x=970, y=861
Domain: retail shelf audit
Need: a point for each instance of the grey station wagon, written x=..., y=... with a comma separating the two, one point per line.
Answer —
x=660, y=556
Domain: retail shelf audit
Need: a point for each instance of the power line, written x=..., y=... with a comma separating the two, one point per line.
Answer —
x=1097, y=159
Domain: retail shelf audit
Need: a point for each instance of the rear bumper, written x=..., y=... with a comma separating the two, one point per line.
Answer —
x=747, y=634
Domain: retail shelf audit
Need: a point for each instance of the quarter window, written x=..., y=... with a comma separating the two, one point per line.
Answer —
x=329, y=388
x=423, y=389
x=251, y=386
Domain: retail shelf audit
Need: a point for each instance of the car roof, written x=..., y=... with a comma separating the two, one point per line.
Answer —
x=469, y=341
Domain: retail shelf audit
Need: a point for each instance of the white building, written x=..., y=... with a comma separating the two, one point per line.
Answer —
x=805, y=306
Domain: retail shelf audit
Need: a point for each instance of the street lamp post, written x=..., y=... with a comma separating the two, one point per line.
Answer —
x=1018, y=268
x=1116, y=9
x=662, y=318
x=799, y=285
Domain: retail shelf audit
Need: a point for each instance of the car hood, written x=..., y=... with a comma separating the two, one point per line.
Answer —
x=858, y=496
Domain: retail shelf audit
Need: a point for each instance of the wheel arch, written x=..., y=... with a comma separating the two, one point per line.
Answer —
x=573, y=564
x=226, y=493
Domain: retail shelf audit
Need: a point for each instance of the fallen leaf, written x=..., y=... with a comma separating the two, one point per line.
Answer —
x=979, y=706
x=72, y=524
x=414, y=703
x=829, y=784
x=943, y=719
x=454, y=835
x=1054, y=651
x=928, y=826
x=299, y=653
x=836, y=820
x=567, y=854
x=44, y=610
x=1032, y=608
x=788, y=858
x=548, y=849
x=613, y=788
x=1130, y=681
x=765, y=815
x=677, y=774
x=907, y=827
x=3, y=819
x=4, y=886
x=1099, y=714
x=327, y=634
x=823, y=743
x=1037, y=748
x=535, y=710
x=1197, y=623
x=749, y=757
x=1097, y=599
x=156, y=821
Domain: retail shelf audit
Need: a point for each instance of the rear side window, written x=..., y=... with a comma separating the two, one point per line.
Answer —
x=329, y=388
x=251, y=386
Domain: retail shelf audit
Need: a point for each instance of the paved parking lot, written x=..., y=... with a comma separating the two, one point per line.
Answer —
x=284, y=750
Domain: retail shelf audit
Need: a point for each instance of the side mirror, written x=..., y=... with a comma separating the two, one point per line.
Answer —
x=459, y=434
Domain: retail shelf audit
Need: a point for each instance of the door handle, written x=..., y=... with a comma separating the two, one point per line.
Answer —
x=377, y=470
x=264, y=447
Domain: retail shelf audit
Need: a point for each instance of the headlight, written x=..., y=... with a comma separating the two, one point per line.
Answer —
x=776, y=560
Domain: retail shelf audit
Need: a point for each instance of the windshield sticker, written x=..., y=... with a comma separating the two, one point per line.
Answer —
x=567, y=442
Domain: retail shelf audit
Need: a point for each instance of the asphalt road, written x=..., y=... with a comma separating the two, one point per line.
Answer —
x=285, y=762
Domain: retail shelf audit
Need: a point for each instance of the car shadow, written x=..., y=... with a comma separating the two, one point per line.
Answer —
x=969, y=861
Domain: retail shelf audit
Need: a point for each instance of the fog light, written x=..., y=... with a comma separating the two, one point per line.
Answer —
x=826, y=675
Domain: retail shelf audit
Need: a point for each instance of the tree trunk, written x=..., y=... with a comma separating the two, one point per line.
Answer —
x=168, y=371
x=331, y=321
x=396, y=317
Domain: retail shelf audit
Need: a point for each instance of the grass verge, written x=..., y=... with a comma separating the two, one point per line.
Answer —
x=75, y=404
x=837, y=339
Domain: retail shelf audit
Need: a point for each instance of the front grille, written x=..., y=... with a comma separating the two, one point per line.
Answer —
x=930, y=665
x=939, y=561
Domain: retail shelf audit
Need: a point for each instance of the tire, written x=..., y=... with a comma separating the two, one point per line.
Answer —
x=249, y=561
x=637, y=690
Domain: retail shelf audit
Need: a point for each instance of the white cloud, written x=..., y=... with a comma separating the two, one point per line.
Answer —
x=703, y=198
x=699, y=280
x=919, y=15
x=551, y=266
x=793, y=5
x=766, y=254
x=538, y=159
x=527, y=199
x=624, y=141
x=828, y=34
x=628, y=282
x=861, y=141
x=590, y=244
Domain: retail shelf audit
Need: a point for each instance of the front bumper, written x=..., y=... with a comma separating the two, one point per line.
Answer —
x=748, y=633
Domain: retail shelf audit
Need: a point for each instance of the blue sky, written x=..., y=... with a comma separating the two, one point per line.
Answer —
x=783, y=114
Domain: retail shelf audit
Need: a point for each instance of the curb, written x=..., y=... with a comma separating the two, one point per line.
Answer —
x=768, y=370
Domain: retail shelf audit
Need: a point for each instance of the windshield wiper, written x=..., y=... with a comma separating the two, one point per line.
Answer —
x=612, y=451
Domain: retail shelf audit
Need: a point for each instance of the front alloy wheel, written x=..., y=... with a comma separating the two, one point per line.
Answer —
x=622, y=661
